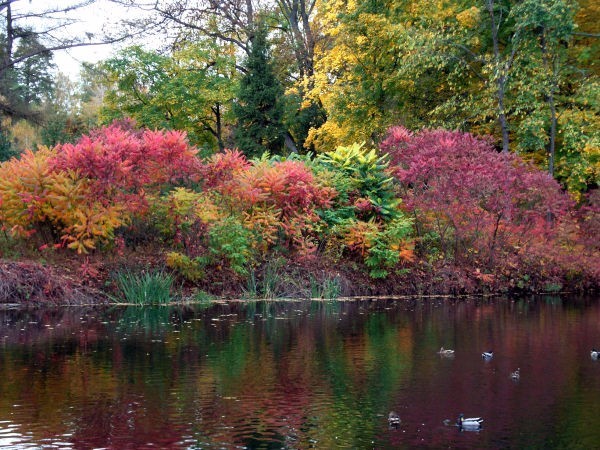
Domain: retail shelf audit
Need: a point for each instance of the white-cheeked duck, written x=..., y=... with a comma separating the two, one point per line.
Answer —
x=516, y=374
x=469, y=423
x=446, y=352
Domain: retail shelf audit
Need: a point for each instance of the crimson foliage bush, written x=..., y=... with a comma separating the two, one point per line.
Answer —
x=122, y=164
x=470, y=203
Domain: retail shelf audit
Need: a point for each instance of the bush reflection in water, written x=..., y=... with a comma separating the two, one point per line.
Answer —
x=302, y=374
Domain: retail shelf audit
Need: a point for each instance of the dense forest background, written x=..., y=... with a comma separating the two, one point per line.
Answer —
x=341, y=96
x=296, y=75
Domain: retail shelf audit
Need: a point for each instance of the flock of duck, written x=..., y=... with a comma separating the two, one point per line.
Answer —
x=470, y=423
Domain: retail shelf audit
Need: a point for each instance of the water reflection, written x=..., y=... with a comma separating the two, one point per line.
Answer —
x=302, y=375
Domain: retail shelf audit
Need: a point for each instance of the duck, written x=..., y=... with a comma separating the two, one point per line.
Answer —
x=595, y=354
x=445, y=352
x=468, y=423
x=393, y=419
x=487, y=355
x=516, y=374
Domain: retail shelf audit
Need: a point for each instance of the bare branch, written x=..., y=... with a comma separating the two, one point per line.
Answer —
x=592, y=35
x=57, y=47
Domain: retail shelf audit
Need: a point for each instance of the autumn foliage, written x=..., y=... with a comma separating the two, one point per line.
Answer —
x=421, y=202
x=477, y=207
x=78, y=194
x=121, y=164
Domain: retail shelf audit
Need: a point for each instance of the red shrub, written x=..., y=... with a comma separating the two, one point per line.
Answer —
x=477, y=204
x=221, y=168
x=122, y=163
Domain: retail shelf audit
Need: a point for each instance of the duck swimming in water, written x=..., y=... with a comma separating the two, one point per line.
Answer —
x=516, y=374
x=469, y=423
x=445, y=352
x=595, y=354
x=393, y=419
x=487, y=355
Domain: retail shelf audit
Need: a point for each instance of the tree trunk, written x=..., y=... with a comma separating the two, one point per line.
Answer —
x=502, y=115
x=9, y=38
x=502, y=77
x=289, y=143
x=552, y=143
x=551, y=104
x=296, y=12
x=219, y=126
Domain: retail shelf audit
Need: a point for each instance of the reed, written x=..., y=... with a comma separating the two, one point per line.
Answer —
x=267, y=284
x=328, y=288
x=146, y=288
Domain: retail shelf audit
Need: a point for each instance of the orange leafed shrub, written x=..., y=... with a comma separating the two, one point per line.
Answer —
x=34, y=197
x=24, y=187
x=265, y=223
x=278, y=200
x=359, y=236
x=290, y=188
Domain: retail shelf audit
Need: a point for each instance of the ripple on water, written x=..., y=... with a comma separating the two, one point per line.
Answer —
x=326, y=381
x=11, y=437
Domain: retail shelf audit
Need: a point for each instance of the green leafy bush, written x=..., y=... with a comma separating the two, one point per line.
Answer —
x=363, y=182
x=389, y=247
x=229, y=242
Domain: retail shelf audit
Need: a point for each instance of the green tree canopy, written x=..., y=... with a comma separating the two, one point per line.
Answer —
x=190, y=90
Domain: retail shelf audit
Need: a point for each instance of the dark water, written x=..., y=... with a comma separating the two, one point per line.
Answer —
x=302, y=375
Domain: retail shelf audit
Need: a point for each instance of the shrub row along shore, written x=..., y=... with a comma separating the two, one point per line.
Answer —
x=128, y=213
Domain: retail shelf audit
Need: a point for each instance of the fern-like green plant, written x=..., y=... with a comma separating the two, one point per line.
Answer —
x=362, y=174
x=228, y=240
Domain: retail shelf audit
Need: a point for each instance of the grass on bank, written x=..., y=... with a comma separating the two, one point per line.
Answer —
x=328, y=288
x=146, y=288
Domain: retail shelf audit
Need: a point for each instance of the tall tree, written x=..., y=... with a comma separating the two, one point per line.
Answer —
x=190, y=90
x=25, y=51
x=297, y=15
x=259, y=109
x=232, y=22
x=64, y=110
x=501, y=61
x=520, y=71
x=546, y=27
x=358, y=71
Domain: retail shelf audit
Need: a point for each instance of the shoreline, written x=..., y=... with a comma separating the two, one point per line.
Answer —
x=26, y=283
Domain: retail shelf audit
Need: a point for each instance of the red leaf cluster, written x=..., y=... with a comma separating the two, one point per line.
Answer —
x=221, y=168
x=479, y=203
x=122, y=163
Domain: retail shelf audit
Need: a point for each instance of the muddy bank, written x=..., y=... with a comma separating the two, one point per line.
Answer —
x=31, y=283
x=71, y=281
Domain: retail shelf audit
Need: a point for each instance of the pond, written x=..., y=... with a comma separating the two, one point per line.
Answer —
x=302, y=375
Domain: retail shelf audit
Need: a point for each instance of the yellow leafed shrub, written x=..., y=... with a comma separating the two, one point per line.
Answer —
x=32, y=197
x=189, y=268
x=24, y=186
